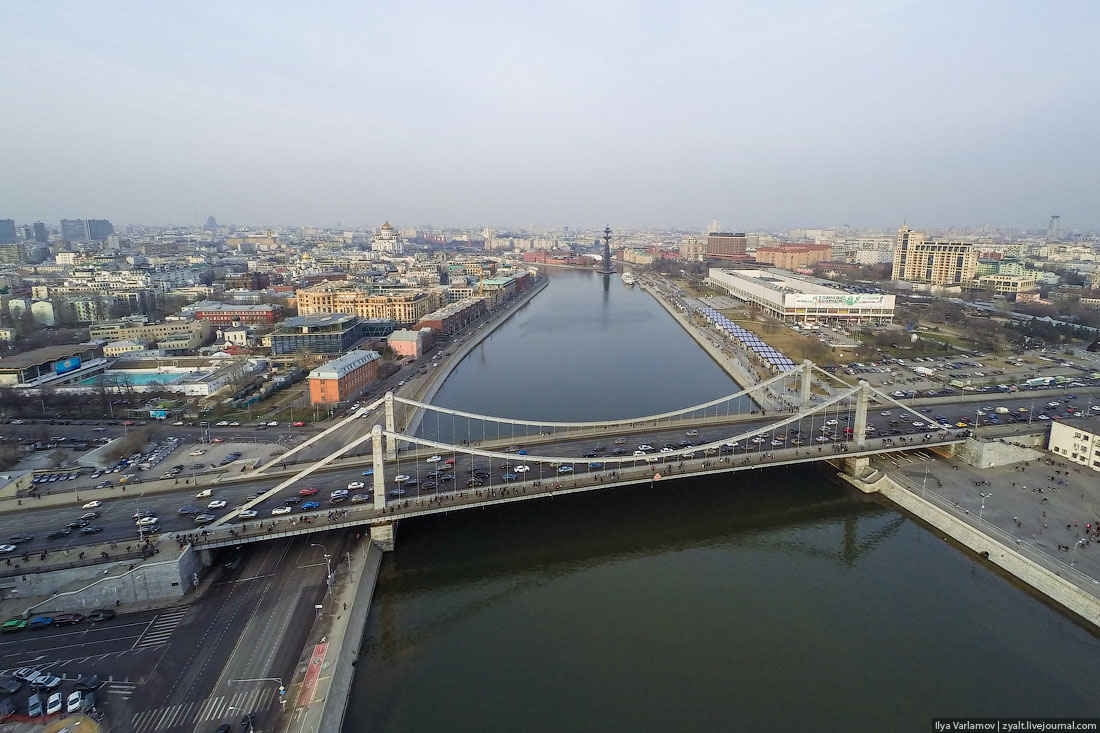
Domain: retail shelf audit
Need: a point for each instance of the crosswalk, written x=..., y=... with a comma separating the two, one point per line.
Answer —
x=161, y=627
x=122, y=690
x=190, y=714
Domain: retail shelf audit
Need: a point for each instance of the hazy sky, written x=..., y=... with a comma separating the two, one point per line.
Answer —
x=766, y=114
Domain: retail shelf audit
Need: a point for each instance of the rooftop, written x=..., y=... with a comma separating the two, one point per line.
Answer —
x=344, y=364
x=43, y=355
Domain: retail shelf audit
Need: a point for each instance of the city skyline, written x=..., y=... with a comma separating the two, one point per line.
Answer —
x=866, y=114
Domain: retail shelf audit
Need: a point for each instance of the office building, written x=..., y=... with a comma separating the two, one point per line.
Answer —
x=1009, y=287
x=935, y=262
x=727, y=245
x=40, y=234
x=343, y=379
x=141, y=328
x=453, y=317
x=86, y=230
x=14, y=253
x=8, y=232
x=803, y=299
x=406, y=307
x=1077, y=441
x=215, y=312
x=794, y=256
x=326, y=333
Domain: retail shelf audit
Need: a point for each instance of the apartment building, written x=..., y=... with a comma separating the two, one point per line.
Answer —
x=935, y=262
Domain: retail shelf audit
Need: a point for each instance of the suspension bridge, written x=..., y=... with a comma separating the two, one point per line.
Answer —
x=424, y=459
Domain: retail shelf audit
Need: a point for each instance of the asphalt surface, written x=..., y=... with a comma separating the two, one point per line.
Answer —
x=171, y=669
x=117, y=513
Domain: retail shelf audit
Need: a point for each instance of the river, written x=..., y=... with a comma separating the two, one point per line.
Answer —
x=779, y=600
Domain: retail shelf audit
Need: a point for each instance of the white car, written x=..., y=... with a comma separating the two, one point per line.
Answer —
x=758, y=440
x=248, y=514
x=234, y=424
x=886, y=413
x=433, y=459
x=93, y=505
x=400, y=478
x=639, y=452
x=280, y=510
x=645, y=447
x=692, y=433
x=830, y=422
x=221, y=424
x=204, y=493
x=197, y=452
x=355, y=485
x=4, y=549
x=146, y=521
x=273, y=424
x=216, y=504
x=521, y=469
x=918, y=424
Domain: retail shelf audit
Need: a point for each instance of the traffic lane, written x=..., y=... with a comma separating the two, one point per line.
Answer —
x=49, y=646
x=120, y=526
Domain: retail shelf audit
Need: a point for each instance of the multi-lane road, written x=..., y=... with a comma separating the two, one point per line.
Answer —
x=117, y=512
x=184, y=668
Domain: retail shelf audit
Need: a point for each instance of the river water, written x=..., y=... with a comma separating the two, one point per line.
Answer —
x=774, y=600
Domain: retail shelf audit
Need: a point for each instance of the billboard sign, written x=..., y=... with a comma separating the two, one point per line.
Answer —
x=67, y=365
x=840, y=300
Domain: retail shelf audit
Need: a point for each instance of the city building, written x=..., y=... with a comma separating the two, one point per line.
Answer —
x=86, y=230
x=215, y=312
x=141, y=328
x=387, y=241
x=116, y=349
x=453, y=317
x=14, y=253
x=727, y=245
x=794, y=256
x=326, y=333
x=40, y=234
x=1009, y=287
x=935, y=262
x=1077, y=441
x=343, y=379
x=408, y=343
x=8, y=232
x=803, y=299
x=47, y=361
x=406, y=307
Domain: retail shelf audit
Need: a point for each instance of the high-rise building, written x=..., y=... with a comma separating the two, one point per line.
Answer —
x=86, y=230
x=40, y=233
x=8, y=234
x=13, y=253
x=935, y=262
x=727, y=245
x=211, y=223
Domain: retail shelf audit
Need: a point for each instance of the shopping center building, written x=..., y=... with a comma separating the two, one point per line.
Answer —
x=803, y=299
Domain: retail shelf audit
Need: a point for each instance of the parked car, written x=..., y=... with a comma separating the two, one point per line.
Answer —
x=100, y=614
x=67, y=619
x=12, y=625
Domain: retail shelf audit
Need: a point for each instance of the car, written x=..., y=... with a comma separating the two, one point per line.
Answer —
x=197, y=452
x=433, y=459
x=311, y=505
x=91, y=515
x=292, y=500
x=178, y=423
x=401, y=478
x=565, y=469
x=298, y=424
x=12, y=625
x=100, y=614
x=368, y=472
x=46, y=681
x=397, y=492
x=128, y=423
x=25, y=674
x=146, y=521
x=273, y=424
x=280, y=510
x=216, y=504
x=92, y=505
x=449, y=462
x=58, y=534
x=234, y=424
x=886, y=413
x=74, y=702
x=40, y=622
x=595, y=464
x=67, y=619
x=307, y=491
x=21, y=538
x=222, y=424
x=692, y=433
x=10, y=687
x=204, y=494
x=94, y=529
x=87, y=682
x=248, y=514
x=360, y=498
x=187, y=510
x=779, y=443
x=356, y=485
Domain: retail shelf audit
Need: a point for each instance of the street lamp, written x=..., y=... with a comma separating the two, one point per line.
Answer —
x=982, y=509
x=328, y=564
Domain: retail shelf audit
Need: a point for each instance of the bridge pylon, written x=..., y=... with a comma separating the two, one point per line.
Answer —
x=863, y=399
x=807, y=381
x=391, y=426
x=379, y=476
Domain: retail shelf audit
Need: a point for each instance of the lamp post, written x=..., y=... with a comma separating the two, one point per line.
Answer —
x=982, y=509
x=1076, y=545
x=279, y=680
x=328, y=564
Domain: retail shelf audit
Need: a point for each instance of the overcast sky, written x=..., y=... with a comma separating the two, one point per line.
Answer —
x=552, y=113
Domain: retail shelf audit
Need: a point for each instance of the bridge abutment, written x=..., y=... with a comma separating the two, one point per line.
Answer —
x=384, y=535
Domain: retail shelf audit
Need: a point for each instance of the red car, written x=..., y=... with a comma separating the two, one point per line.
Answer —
x=299, y=424
x=308, y=491
x=128, y=423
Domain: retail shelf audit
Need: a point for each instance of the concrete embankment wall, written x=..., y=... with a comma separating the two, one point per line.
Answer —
x=1044, y=580
x=355, y=626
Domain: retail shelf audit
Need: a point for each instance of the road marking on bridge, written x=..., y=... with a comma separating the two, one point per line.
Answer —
x=189, y=714
x=122, y=689
x=161, y=627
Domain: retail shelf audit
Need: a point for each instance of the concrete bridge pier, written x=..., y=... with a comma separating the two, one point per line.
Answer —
x=384, y=535
x=859, y=428
x=807, y=381
x=379, y=477
x=857, y=466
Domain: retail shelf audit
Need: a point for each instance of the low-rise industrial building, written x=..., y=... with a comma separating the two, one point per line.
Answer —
x=49, y=361
x=345, y=378
x=803, y=299
x=1077, y=441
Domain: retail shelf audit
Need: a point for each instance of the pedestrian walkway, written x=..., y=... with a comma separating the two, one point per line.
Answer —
x=161, y=627
x=187, y=716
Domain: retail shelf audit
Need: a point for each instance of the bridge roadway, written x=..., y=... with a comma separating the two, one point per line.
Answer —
x=117, y=511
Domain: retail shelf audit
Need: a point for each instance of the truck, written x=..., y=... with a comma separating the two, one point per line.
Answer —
x=1039, y=381
x=925, y=371
x=1002, y=410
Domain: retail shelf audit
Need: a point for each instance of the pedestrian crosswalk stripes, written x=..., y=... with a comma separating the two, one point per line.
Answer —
x=121, y=689
x=186, y=716
x=161, y=627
